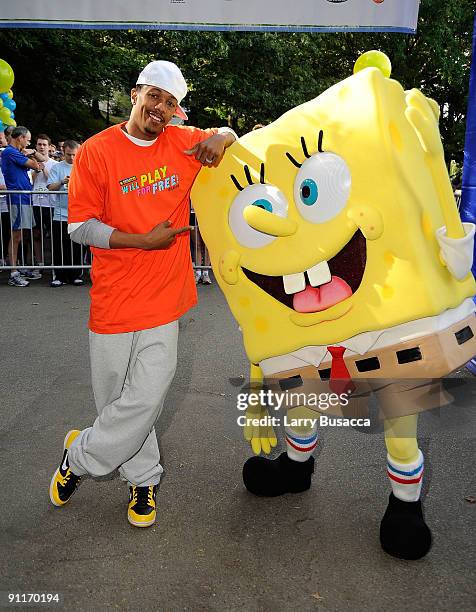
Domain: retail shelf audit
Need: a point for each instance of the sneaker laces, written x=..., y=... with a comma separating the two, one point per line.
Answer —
x=143, y=495
x=69, y=475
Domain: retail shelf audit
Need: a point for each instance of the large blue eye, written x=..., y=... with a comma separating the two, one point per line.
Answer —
x=262, y=203
x=309, y=192
x=323, y=180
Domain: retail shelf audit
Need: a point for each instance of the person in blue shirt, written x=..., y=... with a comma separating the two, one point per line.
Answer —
x=65, y=252
x=15, y=165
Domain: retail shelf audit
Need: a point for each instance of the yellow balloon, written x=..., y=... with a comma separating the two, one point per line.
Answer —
x=10, y=94
x=4, y=114
x=1, y=103
x=374, y=59
x=6, y=76
x=10, y=121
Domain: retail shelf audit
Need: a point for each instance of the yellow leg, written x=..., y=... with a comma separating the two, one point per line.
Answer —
x=302, y=414
x=403, y=531
x=400, y=438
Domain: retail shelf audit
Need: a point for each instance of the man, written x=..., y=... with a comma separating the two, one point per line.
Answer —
x=4, y=213
x=129, y=199
x=65, y=253
x=42, y=203
x=15, y=166
x=8, y=133
x=60, y=150
x=4, y=223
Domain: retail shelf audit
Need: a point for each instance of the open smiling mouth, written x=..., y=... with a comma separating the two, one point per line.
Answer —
x=322, y=286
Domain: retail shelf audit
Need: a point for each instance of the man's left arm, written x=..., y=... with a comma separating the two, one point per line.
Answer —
x=209, y=152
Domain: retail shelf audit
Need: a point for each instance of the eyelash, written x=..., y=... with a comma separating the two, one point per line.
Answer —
x=288, y=155
x=304, y=149
x=248, y=177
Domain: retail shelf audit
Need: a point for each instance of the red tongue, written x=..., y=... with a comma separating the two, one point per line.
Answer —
x=314, y=299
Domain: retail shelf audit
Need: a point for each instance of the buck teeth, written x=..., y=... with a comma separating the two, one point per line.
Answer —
x=317, y=275
x=294, y=283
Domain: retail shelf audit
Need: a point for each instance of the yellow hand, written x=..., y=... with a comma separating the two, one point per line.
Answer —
x=258, y=431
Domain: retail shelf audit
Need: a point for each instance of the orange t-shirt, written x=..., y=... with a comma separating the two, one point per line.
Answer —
x=133, y=188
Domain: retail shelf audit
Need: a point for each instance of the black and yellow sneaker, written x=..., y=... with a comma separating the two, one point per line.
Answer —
x=141, y=510
x=64, y=482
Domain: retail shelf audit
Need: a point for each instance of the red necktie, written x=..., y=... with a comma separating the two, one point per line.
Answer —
x=340, y=381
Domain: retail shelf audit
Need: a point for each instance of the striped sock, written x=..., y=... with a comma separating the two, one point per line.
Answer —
x=299, y=447
x=406, y=478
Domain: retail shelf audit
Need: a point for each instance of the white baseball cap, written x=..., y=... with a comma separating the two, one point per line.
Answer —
x=167, y=76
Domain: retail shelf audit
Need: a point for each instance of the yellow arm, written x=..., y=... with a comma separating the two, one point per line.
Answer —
x=423, y=118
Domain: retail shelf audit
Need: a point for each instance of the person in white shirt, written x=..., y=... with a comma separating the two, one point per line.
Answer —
x=43, y=204
x=65, y=252
x=4, y=222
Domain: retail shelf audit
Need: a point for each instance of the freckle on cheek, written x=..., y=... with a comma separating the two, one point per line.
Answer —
x=261, y=324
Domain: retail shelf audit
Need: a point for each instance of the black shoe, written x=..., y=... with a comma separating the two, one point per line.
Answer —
x=272, y=477
x=64, y=483
x=403, y=531
x=141, y=511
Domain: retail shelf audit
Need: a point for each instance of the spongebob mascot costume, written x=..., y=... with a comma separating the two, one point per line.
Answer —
x=334, y=235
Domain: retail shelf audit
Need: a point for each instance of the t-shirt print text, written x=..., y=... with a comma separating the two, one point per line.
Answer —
x=153, y=181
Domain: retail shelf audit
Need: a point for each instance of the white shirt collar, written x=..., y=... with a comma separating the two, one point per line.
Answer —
x=138, y=141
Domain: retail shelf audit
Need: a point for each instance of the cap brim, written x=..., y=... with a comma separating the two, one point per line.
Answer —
x=179, y=112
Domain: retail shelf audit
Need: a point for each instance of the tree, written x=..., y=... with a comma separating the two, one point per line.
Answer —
x=238, y=77
x=60, y=76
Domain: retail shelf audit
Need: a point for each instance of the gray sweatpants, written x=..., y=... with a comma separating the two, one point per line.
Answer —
x=131, y=374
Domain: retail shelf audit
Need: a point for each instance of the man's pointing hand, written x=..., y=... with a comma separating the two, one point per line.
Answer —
x=163, y=235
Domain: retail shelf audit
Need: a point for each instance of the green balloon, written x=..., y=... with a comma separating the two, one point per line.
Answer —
x=6, y=76
x=374, y=59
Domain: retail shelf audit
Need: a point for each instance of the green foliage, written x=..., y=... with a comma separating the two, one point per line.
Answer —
x=60, y=75
x=240, y=78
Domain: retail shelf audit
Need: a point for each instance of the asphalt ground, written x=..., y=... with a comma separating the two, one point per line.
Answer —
x=215, y=546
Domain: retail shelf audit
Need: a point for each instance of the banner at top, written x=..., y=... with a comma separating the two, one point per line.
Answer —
x=270, y=15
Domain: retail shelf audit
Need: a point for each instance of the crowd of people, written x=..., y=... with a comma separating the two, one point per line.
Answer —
x=26, y=219
x=35, y=226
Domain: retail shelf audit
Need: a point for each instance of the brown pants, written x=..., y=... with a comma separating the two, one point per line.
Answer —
x=405, y=377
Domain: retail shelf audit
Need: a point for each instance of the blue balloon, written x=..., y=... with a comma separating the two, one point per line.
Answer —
x=12, y=114
x=4, y=96
x=10, y=104
x=2, y=127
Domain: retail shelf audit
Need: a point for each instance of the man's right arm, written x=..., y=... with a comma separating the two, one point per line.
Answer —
x=103, y=236
x=56, y=186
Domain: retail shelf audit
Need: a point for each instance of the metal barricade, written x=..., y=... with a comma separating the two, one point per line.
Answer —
x=200, y=256
x=31, y=225
x=43, y=241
